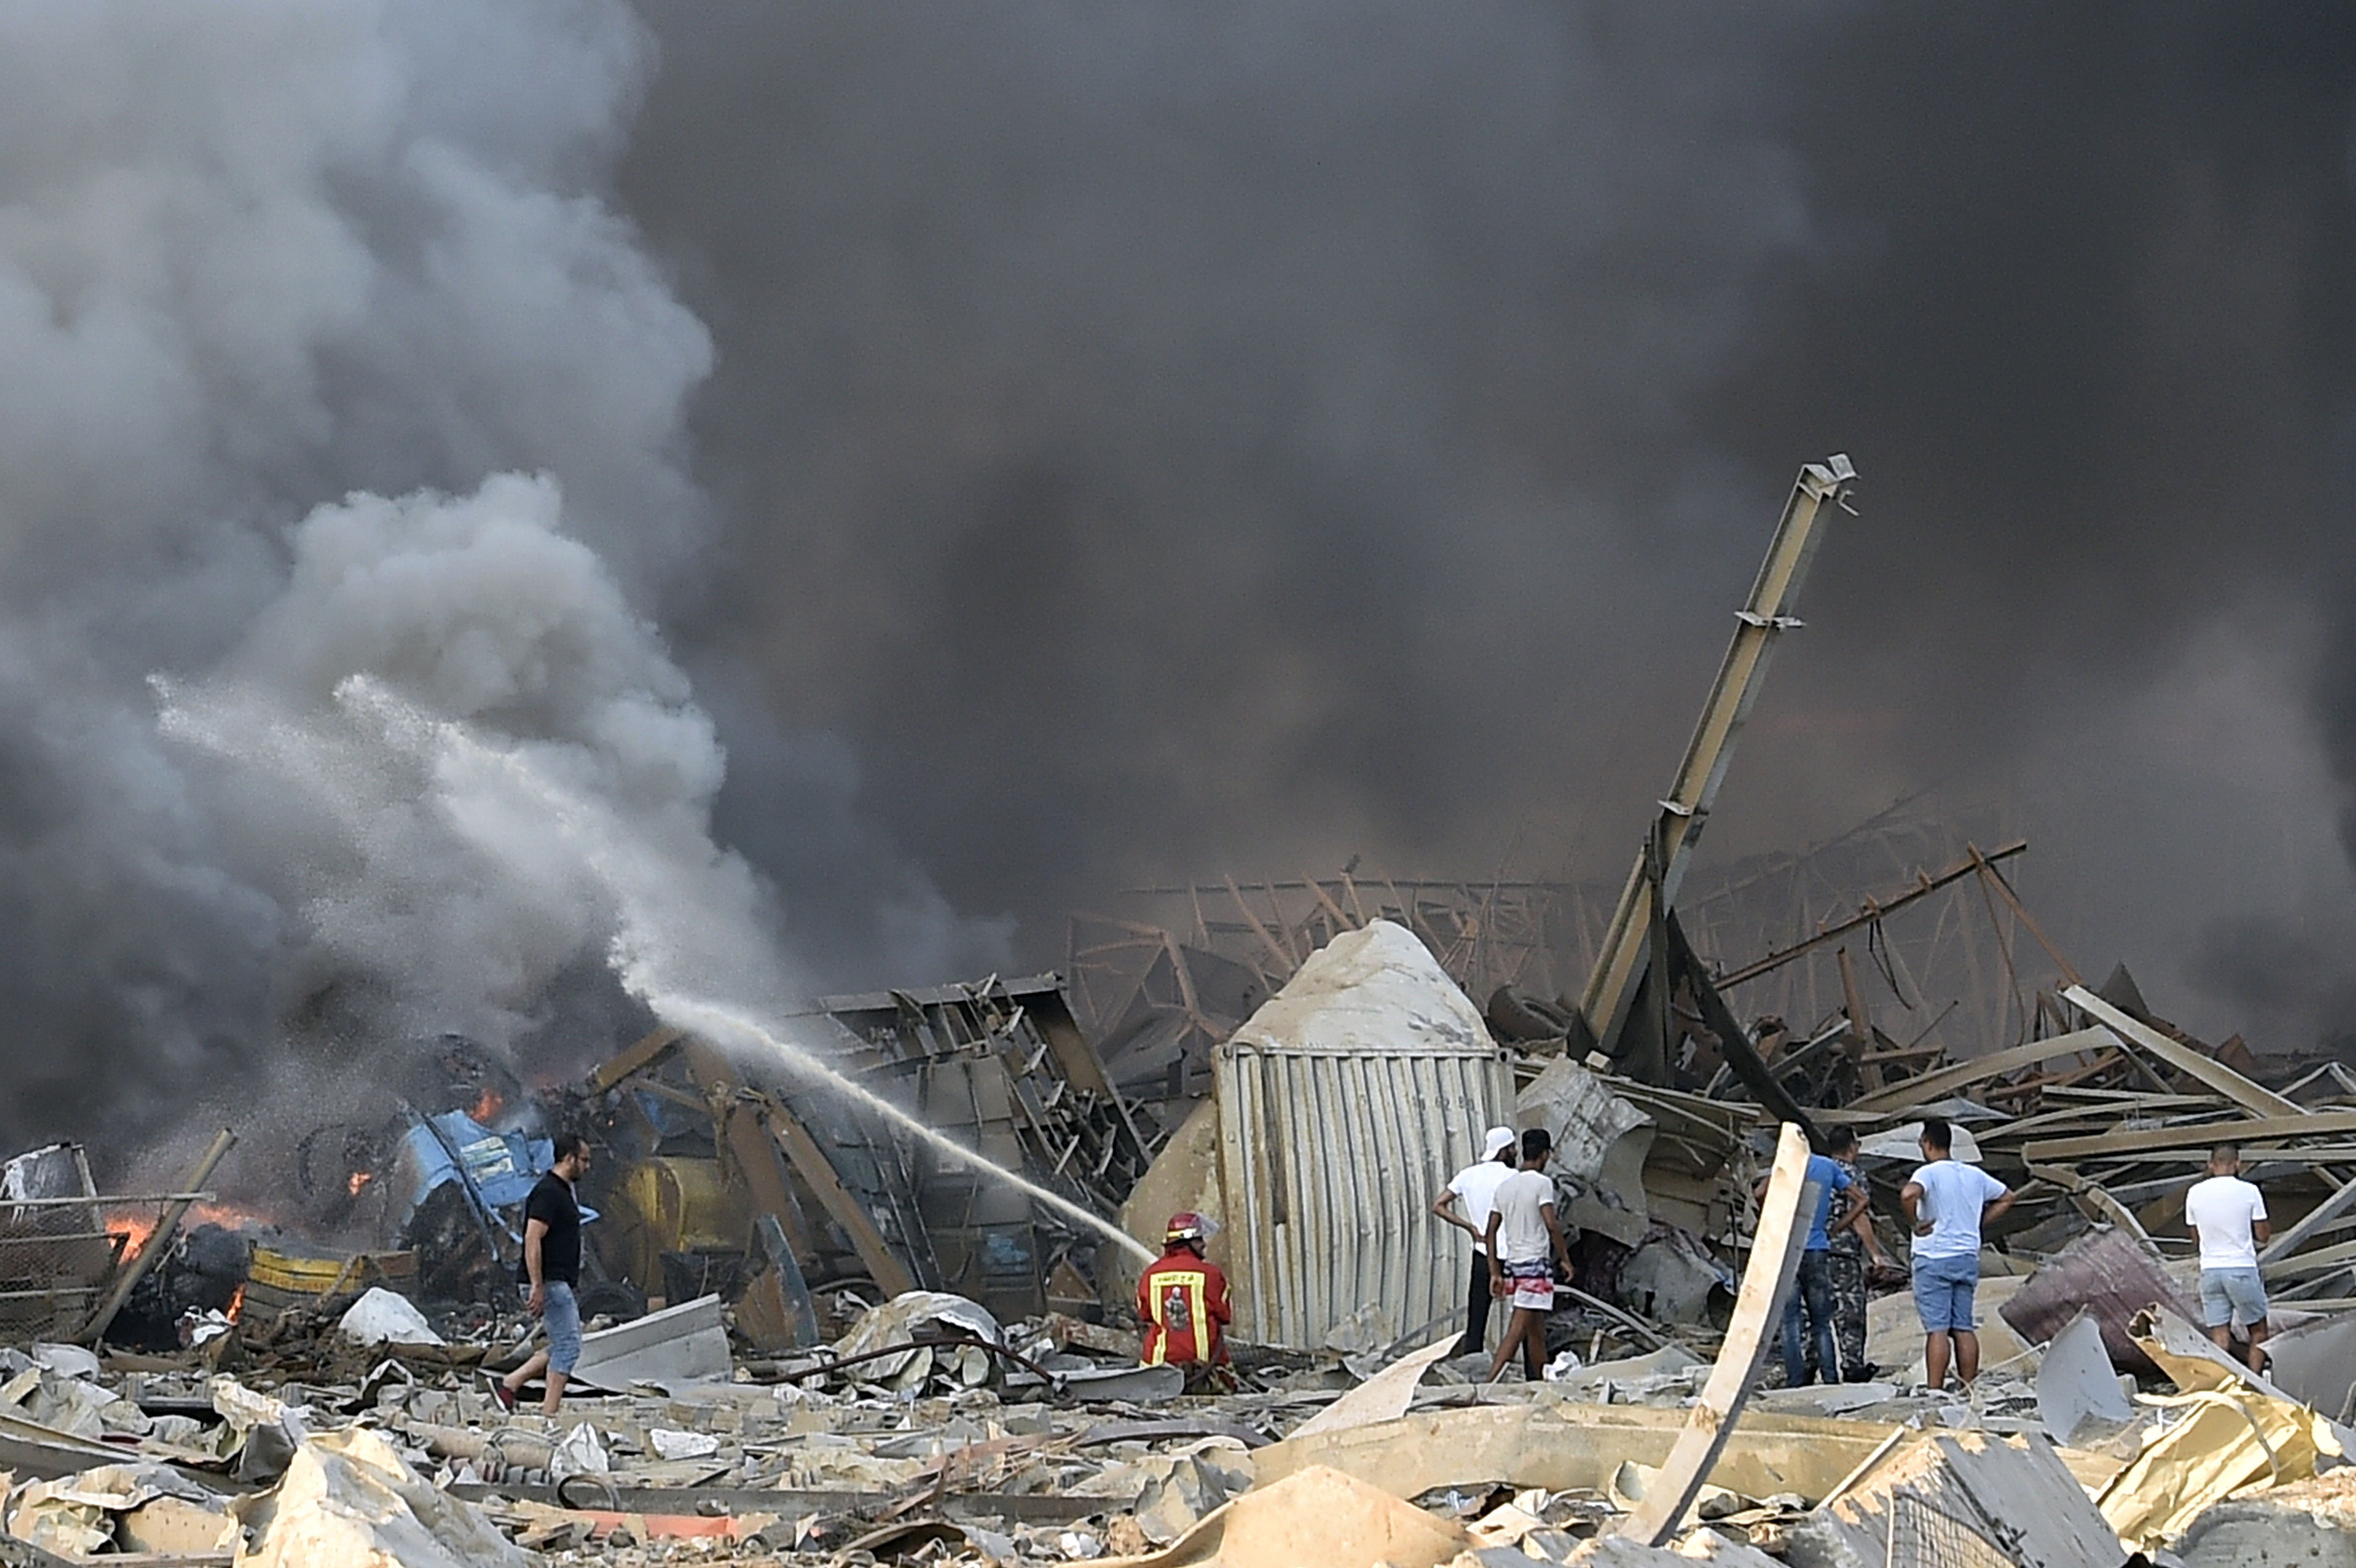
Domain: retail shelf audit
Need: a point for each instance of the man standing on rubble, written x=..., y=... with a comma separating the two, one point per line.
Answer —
x=551, y=1267
x=1946, y=1203
x=1476, y=1187
x=1854, y=1247
x=1525, y=1243
x=2227, y=1217
x=1809, y=1314
x=1182, y=1299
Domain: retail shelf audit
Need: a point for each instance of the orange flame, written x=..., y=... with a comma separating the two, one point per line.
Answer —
x=136, y=1226
x=237, y=1305
x=359, y=1182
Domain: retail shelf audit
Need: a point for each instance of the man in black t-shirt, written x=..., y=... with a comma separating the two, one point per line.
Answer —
x=551, y=1268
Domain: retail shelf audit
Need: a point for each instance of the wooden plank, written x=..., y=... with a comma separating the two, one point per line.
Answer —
x=1993, y=880
x=1774, y=1258
x=160, y=1241
x=2092, y=1199
x=2290, y=1241
x=2255, y=1098
x=1929, y=1086
x=2196, y=1135
x=792, y=1139
x=650, y=1049
x=1860, y=1033
x=809, y=1162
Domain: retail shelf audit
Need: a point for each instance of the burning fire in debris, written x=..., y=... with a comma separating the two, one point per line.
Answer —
x=136, y=1225
x=359, y=1182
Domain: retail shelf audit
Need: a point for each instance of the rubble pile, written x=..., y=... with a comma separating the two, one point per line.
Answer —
x=341, y=1418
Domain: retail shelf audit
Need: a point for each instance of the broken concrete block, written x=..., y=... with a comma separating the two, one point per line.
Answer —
x=1964, y=1497
x=2307, y=1524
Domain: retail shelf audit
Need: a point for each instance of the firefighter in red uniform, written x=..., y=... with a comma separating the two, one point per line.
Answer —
x=1183, y=1302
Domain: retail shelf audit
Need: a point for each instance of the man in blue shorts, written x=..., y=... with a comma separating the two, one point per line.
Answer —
x=2227, y=1218
x=551, y=1268
x=1947, y=1203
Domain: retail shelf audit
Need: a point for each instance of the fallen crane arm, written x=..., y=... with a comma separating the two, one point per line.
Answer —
x=1653, y=886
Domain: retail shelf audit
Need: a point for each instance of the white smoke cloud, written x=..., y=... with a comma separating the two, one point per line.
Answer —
x=459, y=760
x=261, y=265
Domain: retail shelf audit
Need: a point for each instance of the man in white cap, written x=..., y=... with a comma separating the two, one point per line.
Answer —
x=1476, y=1187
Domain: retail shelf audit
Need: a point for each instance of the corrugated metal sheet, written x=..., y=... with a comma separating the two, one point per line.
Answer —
x=1328, y=1158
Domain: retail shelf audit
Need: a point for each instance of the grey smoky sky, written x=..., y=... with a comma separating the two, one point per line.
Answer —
x=1160, y=438
x=914, y=470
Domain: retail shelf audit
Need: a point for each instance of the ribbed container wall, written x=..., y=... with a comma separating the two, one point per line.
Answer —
x=1329, y=1160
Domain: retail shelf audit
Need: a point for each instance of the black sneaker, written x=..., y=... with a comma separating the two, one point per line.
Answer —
x=500, y=1392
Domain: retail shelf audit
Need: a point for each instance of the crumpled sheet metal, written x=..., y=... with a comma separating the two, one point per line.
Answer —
x=2075, y=1385
x=1564, y=1446
x=897, y=1321
x=2227, y=1443
x=74, y=1517
x=1601, y=1141
x=349, y=1500
x=2237, y=1437
x=2107, y=1273
x=2189, y=1359
x=1382, y=1397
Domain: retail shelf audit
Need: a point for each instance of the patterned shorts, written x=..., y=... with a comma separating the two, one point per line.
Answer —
x=1532, y=1283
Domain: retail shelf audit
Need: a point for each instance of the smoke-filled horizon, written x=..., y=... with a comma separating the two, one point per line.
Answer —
x=916, y=472
x=1176, y=440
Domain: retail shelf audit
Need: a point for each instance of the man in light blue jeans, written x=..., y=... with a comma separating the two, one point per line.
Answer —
x=551, y=1268
x=2227, y=1217
x=1946, y=1203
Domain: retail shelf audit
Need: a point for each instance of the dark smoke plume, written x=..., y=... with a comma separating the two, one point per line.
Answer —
x=979, y=458
x=1167, y=439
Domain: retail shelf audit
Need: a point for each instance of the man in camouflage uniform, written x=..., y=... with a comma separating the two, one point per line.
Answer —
x=1852, y=1241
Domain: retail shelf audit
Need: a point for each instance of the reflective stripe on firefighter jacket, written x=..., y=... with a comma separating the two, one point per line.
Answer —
x=1183, y=1302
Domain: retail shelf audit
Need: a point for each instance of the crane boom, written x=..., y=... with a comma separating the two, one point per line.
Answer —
x=1629, y=944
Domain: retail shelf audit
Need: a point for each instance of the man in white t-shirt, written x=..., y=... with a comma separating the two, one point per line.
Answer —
x=1476, y=1187
x=1525, y=1243
x=1947, y=1203
x=2227, y=1217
